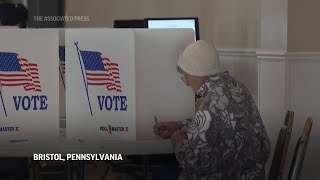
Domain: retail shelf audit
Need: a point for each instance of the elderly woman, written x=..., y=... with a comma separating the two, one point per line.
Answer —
x=226, y=139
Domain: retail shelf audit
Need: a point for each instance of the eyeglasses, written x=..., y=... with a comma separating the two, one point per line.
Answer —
x=183, y=78
x=181, y=73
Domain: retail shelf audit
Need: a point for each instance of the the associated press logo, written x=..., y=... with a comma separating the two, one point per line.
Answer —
x=61, y=18
x=111, y=129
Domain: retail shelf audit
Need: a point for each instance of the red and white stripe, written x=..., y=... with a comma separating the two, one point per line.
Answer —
x=109, y=77
x=28, y=77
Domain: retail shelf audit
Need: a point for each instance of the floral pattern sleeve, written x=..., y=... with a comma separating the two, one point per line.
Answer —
x=226, y=138
x=194, y=154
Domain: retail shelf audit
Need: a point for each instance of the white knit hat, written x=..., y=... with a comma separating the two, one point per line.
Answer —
x=200, y=59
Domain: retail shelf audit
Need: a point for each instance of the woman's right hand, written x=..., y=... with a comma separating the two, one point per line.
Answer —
x=165, y=129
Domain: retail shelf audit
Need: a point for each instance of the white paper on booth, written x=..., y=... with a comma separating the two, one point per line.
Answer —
x=159, y=87
x=29, y=88
x=100, y=85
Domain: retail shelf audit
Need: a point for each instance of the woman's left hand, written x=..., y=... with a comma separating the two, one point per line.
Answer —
x=179, y=135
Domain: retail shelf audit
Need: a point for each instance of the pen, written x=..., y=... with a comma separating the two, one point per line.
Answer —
x=156, y=119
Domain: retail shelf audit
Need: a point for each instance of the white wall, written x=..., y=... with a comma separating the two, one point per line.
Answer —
x=303, y=26
x=271, y=88
x=304, y=98
x=274, y=15
x=230, y=23
x=242, y=66
x=289, y=25
x=279, y=82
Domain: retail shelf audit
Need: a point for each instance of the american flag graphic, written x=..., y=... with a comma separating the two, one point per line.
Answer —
x=62, y=59
x=15, y=71
x=100, y=71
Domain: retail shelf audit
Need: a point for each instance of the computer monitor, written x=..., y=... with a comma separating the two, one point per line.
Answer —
x=191, y=22
x=130, y=23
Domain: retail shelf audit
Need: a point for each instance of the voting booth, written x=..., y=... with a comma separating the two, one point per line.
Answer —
x=29, y=89
x=110, y=86
x=100, y=85
x=118, y=82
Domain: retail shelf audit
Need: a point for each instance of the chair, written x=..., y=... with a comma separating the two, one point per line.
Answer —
x=289, y=123
x=281, y=149
x=274, y=172
x=300, y=151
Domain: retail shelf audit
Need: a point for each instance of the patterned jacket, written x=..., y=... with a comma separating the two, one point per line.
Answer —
x=226, y=139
